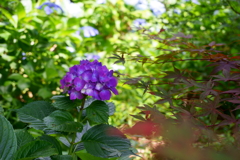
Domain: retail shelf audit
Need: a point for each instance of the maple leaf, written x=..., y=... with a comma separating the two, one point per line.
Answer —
x=119, y=58
x=165, y=95
x=233, y=91
x=227, y=65
x=206, y=88
x=227, y=77
x=209, y=106
x=176, y=74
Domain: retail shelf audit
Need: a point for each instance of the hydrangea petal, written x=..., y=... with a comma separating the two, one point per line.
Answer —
x=75, y=95
x=114, y=90
x=94, y=77
x=86, y=76
x=99, y=86
x=79, y=83
x=69, y=77
x=96, y=95
x=112, y=82
x=105, y=95
x=89, y=92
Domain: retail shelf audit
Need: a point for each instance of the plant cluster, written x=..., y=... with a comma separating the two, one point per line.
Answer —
x=203, y=117
x=69, y=127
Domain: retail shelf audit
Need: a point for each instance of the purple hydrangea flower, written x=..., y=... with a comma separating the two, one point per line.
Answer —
x=157, y=7
x=23, y=55
x=91, y=56
x=139, y=22
x=88, y=31
x=50, y=7
x=101, y=1
x=142, y=5
x=89, y=78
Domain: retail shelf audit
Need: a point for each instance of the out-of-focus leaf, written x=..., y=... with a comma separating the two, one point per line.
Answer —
x=9, y=16
x=20, y=10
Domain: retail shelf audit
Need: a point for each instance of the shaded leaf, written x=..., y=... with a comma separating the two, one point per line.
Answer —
x=62, y=121
x=35, y=149
x=34, y=113
x=8, y=140
x=97, y=112
x=105, y=136
x=64, y=102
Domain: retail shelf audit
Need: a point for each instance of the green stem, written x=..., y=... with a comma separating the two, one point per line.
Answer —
x=81, y=110
x=72, y=144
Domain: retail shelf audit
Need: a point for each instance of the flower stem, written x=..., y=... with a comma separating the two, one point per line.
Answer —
x=72, y=144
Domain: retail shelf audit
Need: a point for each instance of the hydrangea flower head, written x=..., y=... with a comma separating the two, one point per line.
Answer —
x=91, y=56
x=101, y=1
x=139, y=22
x=157, y=7
x=89, y=78
x=88, y=31
x=142, y=5
x=50, y=7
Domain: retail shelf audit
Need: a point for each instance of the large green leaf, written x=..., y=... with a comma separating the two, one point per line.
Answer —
x=97, y=112
x=62, y=121
x=35, y=149
x=111, y=108
x=80, y=146
x=62, y=157
x=63, y=102
x=34, y=113
x=106, y=141
x=86, y=156
x=53, y=141
x=23, y=137
x=8, y=140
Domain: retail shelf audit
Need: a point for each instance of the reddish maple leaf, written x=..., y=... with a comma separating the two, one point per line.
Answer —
x=227, y=65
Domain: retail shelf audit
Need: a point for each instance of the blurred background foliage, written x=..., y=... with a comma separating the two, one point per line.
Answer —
x=39, y=41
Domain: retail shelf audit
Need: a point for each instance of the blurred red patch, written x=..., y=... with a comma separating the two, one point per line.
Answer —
x=147, y=129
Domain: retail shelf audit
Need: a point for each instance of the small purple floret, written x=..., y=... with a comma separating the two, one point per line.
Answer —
x=89, y=78
x=50, y=7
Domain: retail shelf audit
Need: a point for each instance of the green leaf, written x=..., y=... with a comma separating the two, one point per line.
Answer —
x=62, y=121
x=86, y=156
x=63, y=102
x=9, y=16
x=1, y=110
x=34, y=113
x=27, y=5
x=20, y=11
x=16, y=76
x=111, y=108
x=44, y=92
x=23, y=83
x=53, y=141
x=35, y=149
x=80, y=146
x=62, y=157
x=106, y=141
x=23, y=137
x=8, y=140
x=97, y=112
